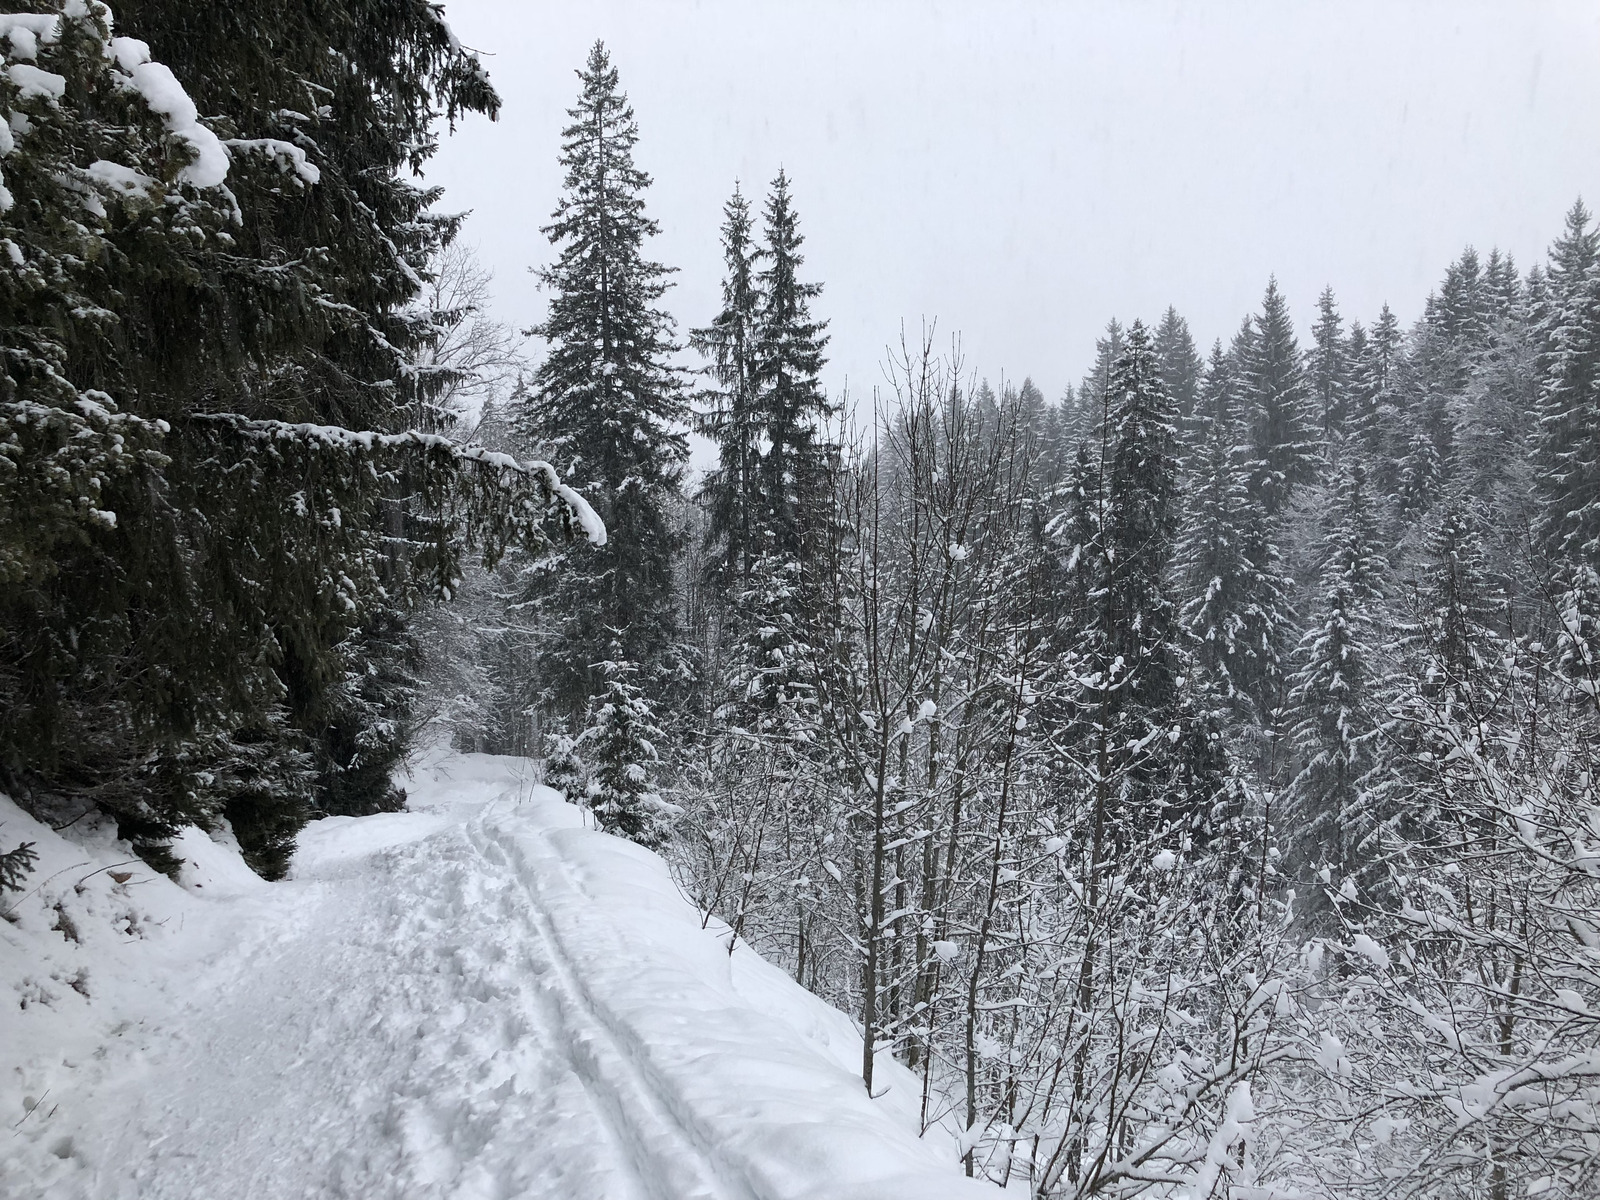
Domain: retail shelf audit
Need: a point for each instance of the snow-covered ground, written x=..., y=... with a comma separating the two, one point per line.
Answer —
x=476, y=998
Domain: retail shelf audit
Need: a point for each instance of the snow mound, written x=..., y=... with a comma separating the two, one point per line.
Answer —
x=479, y=997
x=94, y=953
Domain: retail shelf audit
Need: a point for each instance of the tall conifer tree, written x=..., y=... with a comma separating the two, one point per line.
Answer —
x=1459, y=310
x=732, y=491
x=1361, y=396
x=1236, y=611
x=1328, y=364
x=1282, y=432
x=1567, y=446
x=609, y=405
x=1124, y=646
x=1502, y=286
x=1335, y=692
x=796, y=461
x=356, y=89
x=1181, y=364
x=1458, y=599
x=622, y=739
x=1567, y=451
x=790, y=493
x=1379, y=431
x=250, y=272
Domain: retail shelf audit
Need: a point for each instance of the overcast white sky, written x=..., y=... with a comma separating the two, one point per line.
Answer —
x=1024, y=171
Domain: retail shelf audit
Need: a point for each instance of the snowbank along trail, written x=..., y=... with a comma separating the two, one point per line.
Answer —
x=479, y=997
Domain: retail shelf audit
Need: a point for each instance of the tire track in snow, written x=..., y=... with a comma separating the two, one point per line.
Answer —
x=539, y=1132
x=672, y=1160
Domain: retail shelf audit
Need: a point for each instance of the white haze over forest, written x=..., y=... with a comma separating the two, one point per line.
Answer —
x=1025, y=171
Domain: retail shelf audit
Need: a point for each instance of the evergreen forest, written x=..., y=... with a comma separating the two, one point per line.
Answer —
x=1190, y=777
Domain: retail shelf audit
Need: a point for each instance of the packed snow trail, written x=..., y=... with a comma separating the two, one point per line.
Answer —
x=477, y=998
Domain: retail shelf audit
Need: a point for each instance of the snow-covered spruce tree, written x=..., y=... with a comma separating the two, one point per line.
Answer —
x=796, y=464
x=1033, y=410
x=1126, y=646
x=1336, y=699
x=621, y=740
x=770, y=413
x=16, y=865
x=788, y=496
x=350, y=93
x=1093, y=389
x=1502, y=284
x=770, y=500
x=1446, y=400
x=1075, y=532
x=1422, y=476
x=1283, y=434
x=1046, y=426
x=105, y=209
x=1451, y=651
x=1126, y=649
x=1495, y=427
x=1140, y=527
x=1459, y=311
x=1386, y=341
x=768, y=688
x=1182, y=368
x=1083, y=407
x=1328, y=366
x=607, y=404
x=1567, y=447
x=1236, y=610
x=1375, y=412
x=732, y=491
x=1431, y=379
x=1360, y=411
x=1459, y=601
x=564, y=768
x=192, y=504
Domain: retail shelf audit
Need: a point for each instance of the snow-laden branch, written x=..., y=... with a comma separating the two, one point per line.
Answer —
x=164, y=96
x=337, y=436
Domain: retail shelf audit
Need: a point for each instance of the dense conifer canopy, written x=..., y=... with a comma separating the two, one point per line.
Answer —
x=215, y=441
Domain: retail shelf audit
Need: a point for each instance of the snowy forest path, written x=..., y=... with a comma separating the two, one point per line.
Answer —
x=670, y=1157
x=480, y=998
x=380, y=1033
